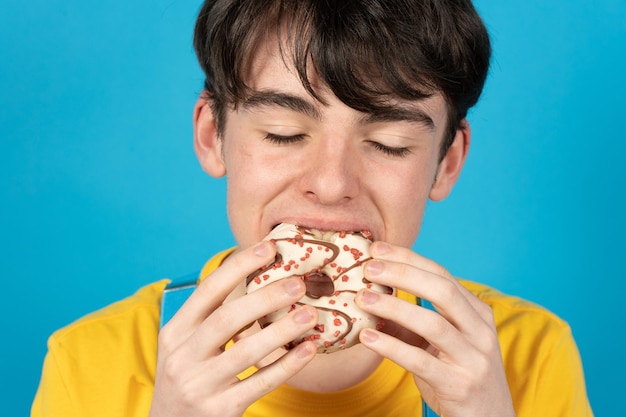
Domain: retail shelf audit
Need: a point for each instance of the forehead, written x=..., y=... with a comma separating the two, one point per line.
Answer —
x=272, y=69
x=272, y=66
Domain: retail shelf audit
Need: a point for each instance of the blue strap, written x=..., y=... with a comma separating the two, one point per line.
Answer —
x=179, y=290
x=175, y=294
x=426, y=410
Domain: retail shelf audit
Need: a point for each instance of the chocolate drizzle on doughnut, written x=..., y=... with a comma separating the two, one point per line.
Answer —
x=278, y=260
x=319, y=285
x=339, y=336
x=331, y=266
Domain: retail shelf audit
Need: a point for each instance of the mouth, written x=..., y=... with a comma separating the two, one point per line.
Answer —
x=323, y=231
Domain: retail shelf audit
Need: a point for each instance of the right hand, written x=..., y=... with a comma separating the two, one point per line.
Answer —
x=195, y=376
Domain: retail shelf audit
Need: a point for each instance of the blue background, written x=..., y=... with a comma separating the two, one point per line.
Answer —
x=100, y=192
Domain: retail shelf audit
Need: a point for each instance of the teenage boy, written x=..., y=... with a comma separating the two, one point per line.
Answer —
x=333, y=115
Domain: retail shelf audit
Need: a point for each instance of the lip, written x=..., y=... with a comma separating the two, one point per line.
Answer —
x=326, y=225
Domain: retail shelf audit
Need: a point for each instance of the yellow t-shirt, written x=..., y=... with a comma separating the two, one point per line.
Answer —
x=104, y=365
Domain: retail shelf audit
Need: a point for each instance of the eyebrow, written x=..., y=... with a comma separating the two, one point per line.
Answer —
x=270, y=98
x=399, y=114
x=275, y=99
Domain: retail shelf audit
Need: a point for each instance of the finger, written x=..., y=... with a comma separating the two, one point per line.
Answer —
x=443, y=293
x=212, y=291
x=413, y=359
x=399, y=332
x=272, y=376
x=464, y=310
x=252, y=349
x=386, y=251
x=439, y=333
x=228, y=319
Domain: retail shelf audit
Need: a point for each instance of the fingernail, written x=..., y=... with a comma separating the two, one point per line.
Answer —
x=303, y=351
x=262, y=249
x=369, y=297
x=302, y=316
x=369, y=336
x=293, y=286
x=374, y=268
x=380, y=248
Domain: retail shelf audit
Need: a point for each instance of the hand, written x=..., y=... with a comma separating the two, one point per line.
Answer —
x=195, y=376
x=453, y=353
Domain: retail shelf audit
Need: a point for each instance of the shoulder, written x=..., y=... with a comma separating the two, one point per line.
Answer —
x=515, y=313
x=138, y=312
x=539, y=353
x=541, y=359
x=94, y=363
x=531, y=337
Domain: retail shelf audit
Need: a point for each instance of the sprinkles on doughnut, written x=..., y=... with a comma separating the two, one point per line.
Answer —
x=330, y=263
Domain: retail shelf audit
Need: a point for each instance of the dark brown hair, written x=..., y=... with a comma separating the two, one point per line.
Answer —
x=366, y=51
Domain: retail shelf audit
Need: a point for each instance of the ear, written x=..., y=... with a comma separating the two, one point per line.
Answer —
x=206, y=140
x=450, y=167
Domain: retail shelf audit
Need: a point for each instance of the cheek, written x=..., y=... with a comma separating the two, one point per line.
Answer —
x=402, y=200
x=408, y=186
x=252, y=184
x=252, y=175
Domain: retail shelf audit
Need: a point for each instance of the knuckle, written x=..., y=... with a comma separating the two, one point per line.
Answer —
x=493, y=346
x=403, y=269
x=171, y=366
x=419, y=365
x=473, y=380
x=468, y=384
x=464, y=389
x=287, y=367
x=282, y=331
x=447, y=291
x=482, y=367
x=439, y=325
x=221, y=317
x=262, y=384
x=239, y=263
x=187, y=394
x=441, y=271
x=165, y=339
x=271, y=295
x=486, y=312
x=241, y=355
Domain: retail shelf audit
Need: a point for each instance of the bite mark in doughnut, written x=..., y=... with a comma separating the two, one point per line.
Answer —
x=331, y=266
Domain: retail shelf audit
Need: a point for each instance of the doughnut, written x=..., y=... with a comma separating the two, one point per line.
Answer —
x=330, y=264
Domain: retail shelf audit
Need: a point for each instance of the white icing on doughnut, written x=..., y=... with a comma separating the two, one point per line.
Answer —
x=330, y=263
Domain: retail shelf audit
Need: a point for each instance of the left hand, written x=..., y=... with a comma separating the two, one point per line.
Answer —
x=453, y=354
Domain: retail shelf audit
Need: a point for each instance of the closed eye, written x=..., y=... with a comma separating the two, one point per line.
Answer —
x=391, y=151
x=282, y=140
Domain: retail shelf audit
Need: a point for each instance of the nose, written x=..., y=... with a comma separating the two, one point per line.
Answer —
x=333, y=173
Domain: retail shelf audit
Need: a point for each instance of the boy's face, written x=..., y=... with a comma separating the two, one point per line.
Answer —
x=290, y=158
